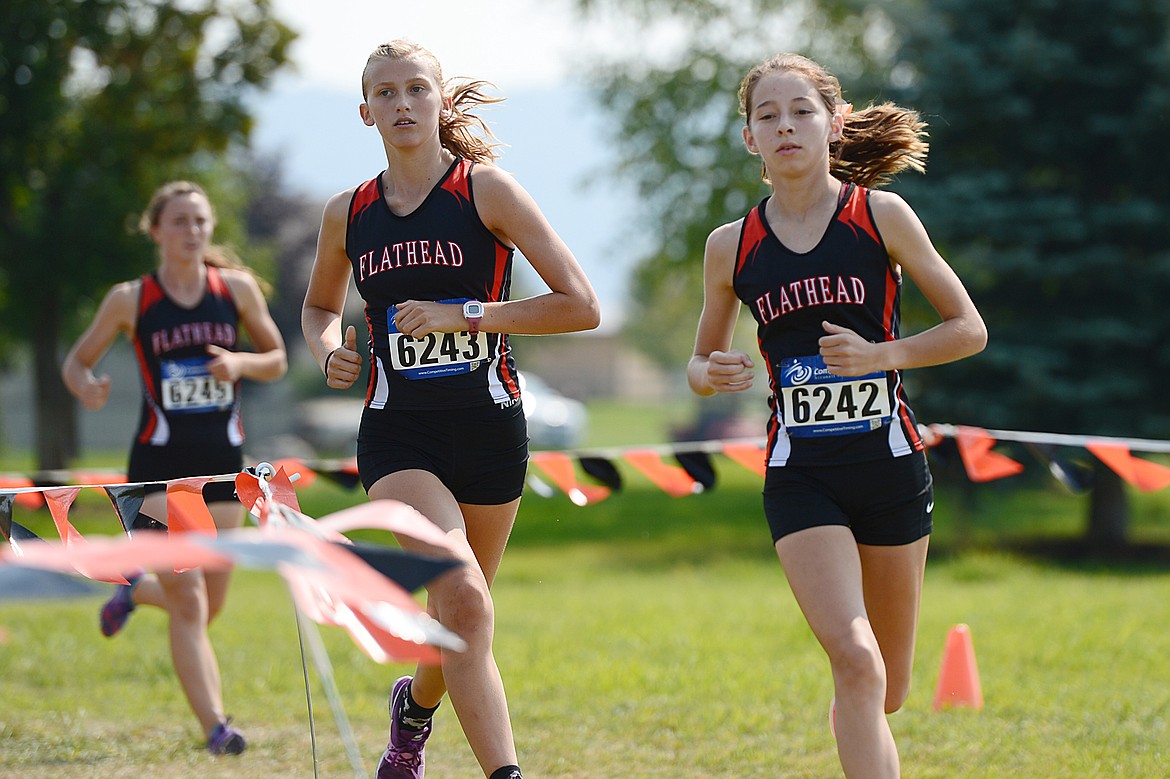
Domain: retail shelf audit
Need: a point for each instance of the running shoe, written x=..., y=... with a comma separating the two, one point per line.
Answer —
x=117, y=609
x=226, y=740
x=403, y=758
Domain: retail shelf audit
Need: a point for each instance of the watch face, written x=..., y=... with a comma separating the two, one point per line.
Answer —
x=473, y=308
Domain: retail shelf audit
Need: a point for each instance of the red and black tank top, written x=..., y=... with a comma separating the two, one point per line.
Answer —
x=183, y=404
x=846, y=279
x=442, y=252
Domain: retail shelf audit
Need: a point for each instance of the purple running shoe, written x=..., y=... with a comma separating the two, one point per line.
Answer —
x=117, y=609
x=403, y=758
x=226, y=740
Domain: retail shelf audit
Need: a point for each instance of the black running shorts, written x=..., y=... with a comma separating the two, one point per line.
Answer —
x=162, y=463
x=884, y=502
x=480, y=453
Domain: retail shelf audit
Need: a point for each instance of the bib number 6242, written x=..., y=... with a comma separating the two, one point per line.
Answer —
x=814, y=402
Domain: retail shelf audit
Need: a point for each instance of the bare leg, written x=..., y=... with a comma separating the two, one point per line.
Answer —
x=461, y=600
x=227, y=516
x=148, y=591
x=191, y=652
x=892, y=580
x=824, y=570
x=192, y=599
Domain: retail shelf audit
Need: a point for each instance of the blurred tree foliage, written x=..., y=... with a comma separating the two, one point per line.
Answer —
x=100, y=102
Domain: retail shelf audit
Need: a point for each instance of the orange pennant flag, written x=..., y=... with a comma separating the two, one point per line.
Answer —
x=1143, y=474
x=749, y=456
x=672, y=479
x=26, y=500
x=395, y=648
x=378, y=643
x=186, y=510
x=252, y=494
x=60, y=501
x=249, y=493
x=30, y=500
x=981, y=463
x=282, y=489
x=559, y=467
x=106, y=556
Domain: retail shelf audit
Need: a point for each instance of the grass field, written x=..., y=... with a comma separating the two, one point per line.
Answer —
x=643, y=637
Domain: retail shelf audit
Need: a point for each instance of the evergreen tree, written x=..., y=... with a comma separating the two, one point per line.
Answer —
x=1046, y=189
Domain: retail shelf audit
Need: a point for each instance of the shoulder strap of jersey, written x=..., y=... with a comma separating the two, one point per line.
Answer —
x=854, y=211
x=457, y=180
x=364, y=196
x=150, y=292
x=751, y=235
x=217, y=286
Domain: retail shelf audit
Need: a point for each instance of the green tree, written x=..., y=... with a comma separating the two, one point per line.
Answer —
x=677, y=134
x=1047, y=189
x=101, y=101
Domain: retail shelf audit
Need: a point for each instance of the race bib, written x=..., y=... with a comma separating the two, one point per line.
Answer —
x=188, y=388
x=817, y=403
x=435, y=354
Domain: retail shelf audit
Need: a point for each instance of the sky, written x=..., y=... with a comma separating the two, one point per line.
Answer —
x=514, y=43
x=554, y=135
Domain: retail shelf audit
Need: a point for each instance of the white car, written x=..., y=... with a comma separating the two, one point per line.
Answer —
x=330, y=424
x=554, y=421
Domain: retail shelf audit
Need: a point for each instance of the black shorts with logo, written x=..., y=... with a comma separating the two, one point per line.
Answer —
x=885, y=502
x=480, y=453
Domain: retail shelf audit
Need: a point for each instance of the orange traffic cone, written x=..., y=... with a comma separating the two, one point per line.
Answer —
x=958, y=680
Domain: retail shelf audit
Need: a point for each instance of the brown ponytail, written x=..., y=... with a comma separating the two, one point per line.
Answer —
x=878, y=142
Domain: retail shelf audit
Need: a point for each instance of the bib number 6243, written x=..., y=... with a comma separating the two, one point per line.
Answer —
x=437, y=352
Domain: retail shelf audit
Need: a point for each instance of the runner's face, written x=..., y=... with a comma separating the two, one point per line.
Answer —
x=789, y=125
x=184, y=228
x=403, y=99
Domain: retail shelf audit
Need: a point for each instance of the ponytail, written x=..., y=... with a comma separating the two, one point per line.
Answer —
x=455, y=126
x=878, y=142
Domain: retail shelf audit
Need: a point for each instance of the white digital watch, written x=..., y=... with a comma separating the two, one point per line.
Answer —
x=473, y=313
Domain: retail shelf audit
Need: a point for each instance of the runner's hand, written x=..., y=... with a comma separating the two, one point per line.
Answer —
x=344, y=364
x=95, y=392
x=729, y=371
x=845, y=352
